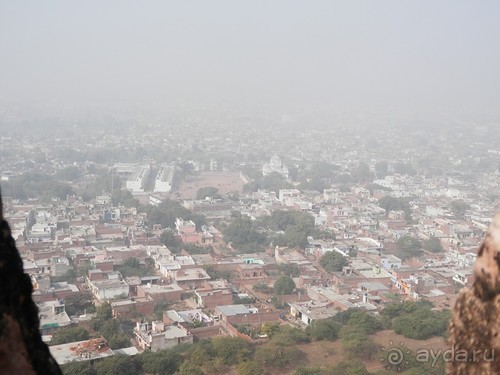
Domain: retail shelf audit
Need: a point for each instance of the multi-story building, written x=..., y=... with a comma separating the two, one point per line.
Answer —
x=164, y=178
x=137, y=181
x=157, y=336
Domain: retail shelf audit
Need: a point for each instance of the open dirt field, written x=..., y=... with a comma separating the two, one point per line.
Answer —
x=326, y=353
x=225, y=182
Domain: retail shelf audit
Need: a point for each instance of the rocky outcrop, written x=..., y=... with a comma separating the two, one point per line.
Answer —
x=475, y=325
x=22, y=350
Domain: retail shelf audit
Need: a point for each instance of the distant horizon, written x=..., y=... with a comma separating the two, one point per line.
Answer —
x=386, y=56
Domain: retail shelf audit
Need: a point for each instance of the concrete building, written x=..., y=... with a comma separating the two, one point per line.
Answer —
x=129, y=307
x=390, y=262
x=185, y=318
x=164, y=178
x=87, y=350
x=214, y=293
x=108, y=289
x=187, y=231
x=171, y=292
x=241, y=314
x=288, y=197
x=52, y=315
x=312, y=310
x=275, y=165
x=137, y=181
x=60, y=266
x=157, y=336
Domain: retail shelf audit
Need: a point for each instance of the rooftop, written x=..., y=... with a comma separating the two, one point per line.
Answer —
x=232, y=310
x=81, y=351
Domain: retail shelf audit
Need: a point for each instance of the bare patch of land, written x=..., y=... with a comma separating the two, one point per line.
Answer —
x=226, y=182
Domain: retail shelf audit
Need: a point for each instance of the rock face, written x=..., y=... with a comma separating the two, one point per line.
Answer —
x=475, y=325
x=22, y=350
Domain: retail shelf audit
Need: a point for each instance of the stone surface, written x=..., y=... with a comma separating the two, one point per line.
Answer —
x=22, y=350
x=475, y=325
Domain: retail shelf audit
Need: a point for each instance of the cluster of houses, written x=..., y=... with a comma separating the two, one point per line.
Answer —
x=93, y=239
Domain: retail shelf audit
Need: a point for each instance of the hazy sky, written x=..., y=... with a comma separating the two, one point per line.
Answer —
x=366, y=54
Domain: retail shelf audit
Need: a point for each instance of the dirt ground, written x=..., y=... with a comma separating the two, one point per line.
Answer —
x=326, y=353
x=225, y=182
x=385, y=338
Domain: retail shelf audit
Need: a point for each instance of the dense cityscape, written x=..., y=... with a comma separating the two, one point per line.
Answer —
x=249, y=188
x=276, y=241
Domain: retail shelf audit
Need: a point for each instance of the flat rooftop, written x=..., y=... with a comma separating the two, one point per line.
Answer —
x=232, y=310
x=85, y=350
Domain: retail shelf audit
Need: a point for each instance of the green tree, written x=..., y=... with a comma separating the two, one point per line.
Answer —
x=351, y=367
x=458, y=207
x=289, y=269
x=270, y=329
x=208, y=191
x=202, y=352
x=79, y=303
x=408, y=247
x=78, y=368
x=117, y=364
x=70, y=277
x=332, y=261
x=381, y=168
x=389, y=203
x=171, y=240
x=289, y=335
x=362, y=173
x=232, y=350
x=343, y=317
x=357, y=343
x=250, y=368
x=284, y=285
x=166, y=213
x=406, y=307
x=365, y=321
x=324, y=329
x=433, y=244
x=125, y=197
x=422, y=324
x=69, y=334
x=190, y=369
x=278, y=354
x=272, y=182
x=242, y=232
x=309, y=371
x=163, y=362
x=133, y=267
x=104, y=312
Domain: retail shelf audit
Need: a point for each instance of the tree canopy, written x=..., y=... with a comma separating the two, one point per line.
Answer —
x=332, y=261
x=69, y=334
x=284, y=285
x=408, y=247
x=208, y=191
x=433, y=244
x=273, y=182
x=166, y=213
x=242, y=233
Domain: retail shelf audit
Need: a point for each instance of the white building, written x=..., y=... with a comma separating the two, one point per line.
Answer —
x=157, y=336
x=390, y=262
x=164, y=178
x=138, y=179
x=288, y=197
x=275, y=166
x=108, y=289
